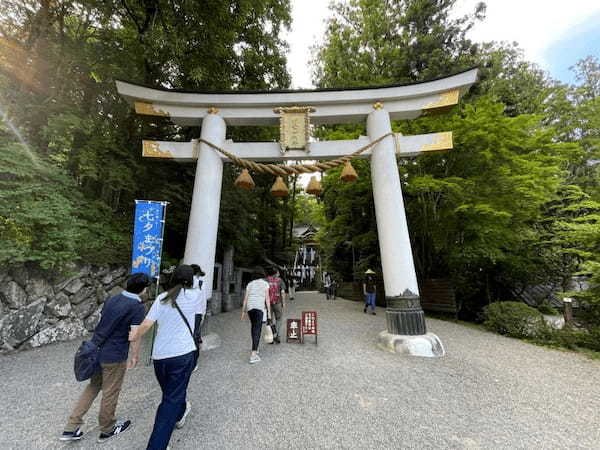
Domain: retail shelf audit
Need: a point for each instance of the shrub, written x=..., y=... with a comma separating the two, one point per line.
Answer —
x=565, y=337
x=544, y=308
x=513, y=319
x=591, y=339
x=569, y=338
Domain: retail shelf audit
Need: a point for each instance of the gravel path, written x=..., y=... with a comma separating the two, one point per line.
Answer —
x=487, y=392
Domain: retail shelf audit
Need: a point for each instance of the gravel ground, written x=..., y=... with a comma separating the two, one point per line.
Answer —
x=487, y=392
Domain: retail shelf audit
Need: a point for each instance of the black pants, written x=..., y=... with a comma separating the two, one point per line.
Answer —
x=256, y=317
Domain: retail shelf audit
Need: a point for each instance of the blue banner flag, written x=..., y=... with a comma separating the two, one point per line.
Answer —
x=147, y=237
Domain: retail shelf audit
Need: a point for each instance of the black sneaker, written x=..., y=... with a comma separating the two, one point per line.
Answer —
x=277, y=341
x=374, y=313
x=365, y=310
x=118, y=429
x=71, y=435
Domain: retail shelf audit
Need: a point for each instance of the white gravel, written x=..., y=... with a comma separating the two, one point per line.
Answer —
x=487, y=392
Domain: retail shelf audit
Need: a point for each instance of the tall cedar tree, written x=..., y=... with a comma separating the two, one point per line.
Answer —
x=60, y=60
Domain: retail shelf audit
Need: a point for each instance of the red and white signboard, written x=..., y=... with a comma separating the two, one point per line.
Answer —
x=309, y=324
x=294, y=331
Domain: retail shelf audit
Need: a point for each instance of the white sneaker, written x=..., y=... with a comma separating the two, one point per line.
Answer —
x=254, y=359
x=181, y=423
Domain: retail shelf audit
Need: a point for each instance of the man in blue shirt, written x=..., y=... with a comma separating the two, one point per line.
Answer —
x=112, y=336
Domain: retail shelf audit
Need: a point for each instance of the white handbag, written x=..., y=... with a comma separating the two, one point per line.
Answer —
x=267, y=334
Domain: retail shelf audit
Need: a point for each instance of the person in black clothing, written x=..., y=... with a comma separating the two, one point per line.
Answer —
x=370, y=289
x=119, y=314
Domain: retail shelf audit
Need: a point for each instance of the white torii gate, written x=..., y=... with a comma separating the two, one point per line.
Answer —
x=406, y=331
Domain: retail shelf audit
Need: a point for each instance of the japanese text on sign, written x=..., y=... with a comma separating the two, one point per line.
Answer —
x=147, y=237
x=309, y=322
x=294, y=333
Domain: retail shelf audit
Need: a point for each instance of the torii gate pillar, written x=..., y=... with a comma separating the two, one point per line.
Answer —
x=406, y=331
x=201, y=242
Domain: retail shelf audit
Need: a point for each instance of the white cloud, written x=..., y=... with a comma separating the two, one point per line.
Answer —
x=534, y=24
x=308, y=28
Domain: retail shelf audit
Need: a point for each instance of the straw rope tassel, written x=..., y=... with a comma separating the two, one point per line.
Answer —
x=348, y=173
x=279, y=188
x=244, y=180
x=314, y=186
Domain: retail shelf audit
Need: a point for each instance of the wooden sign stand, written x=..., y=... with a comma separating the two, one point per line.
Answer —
x=309, y=325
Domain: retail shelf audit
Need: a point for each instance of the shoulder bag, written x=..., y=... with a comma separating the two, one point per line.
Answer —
x=87, y=360
x=187, y=324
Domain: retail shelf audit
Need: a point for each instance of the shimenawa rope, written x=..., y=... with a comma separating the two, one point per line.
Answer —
x=280, y=169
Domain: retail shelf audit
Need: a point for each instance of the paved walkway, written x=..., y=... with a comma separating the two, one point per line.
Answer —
x=488, y=392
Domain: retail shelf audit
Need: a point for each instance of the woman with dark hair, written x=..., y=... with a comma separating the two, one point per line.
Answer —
x=198, y=274
x=256, y=302
x=174, y=352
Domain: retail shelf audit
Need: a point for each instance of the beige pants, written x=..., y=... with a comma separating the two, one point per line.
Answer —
x=109, y=380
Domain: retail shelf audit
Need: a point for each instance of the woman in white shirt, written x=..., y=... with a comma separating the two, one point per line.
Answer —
x=200, y=285
x=174, y=352
x=256, y=302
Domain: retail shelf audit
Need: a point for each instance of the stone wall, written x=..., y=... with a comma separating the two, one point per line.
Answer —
x=37, y=308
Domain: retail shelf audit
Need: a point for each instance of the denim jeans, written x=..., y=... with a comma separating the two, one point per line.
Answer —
x=370, y=300
x=173, y=375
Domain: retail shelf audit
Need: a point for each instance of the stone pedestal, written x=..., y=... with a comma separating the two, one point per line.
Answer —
x=426, y=345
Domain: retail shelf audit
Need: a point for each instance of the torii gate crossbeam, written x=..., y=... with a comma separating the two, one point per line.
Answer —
x=406, y=330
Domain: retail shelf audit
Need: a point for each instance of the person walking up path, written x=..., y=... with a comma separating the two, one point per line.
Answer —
x=175, y=352
x=202, y=297
x=277, y=299
x=370, y=290
x=292, y=285
x=119, y=314
x=258, y=307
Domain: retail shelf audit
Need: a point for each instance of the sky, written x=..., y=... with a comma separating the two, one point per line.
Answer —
x=552, y=33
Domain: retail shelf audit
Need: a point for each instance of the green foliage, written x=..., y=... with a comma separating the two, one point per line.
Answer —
x=569, y=338
x=60, y=61
x=592, y=339
x=513, y=319
x=518, y=320
x=349, y=238
x=43, y=218
x=589, y=299
x=547, y=309
x=370, y=42
x=514, y=203
x=569, y=233
x=469, y=210
x=504, y=74
x=308, y=210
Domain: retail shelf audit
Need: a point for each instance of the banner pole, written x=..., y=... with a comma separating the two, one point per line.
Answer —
x=162, y=234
